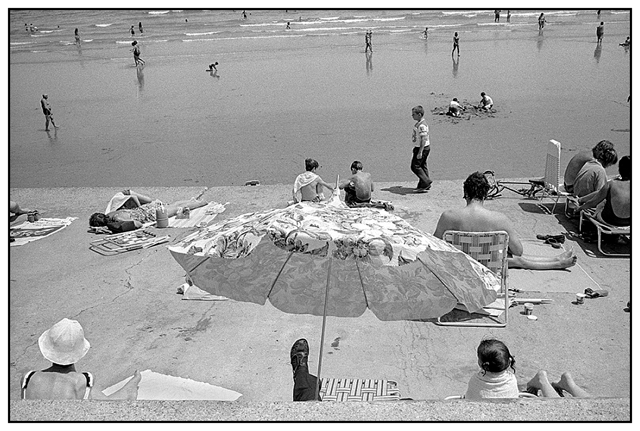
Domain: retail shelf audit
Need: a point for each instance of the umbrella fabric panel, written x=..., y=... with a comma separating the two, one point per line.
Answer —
x=456, y=272
x=405, y=292
x=302, y=285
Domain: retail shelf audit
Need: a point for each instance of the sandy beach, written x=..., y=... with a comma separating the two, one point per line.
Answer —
x=281, y=98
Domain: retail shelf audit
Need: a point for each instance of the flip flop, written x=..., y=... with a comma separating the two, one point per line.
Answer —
x=559, y=238
x=554, y=242
x=595, y=293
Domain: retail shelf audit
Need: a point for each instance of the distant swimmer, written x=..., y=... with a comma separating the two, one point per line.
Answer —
x=367, y=41
x=77, y=37
x=541, y=21
x=288, y=26
x=46, y=110
x=244, y=14
x=600, y=32
x=508, y=15
x=456, y=44
x=496, y=15
x=140, y=27
x=426, y=33
x=133, y=32
x=486, y=102
x=136, y=53
x=627, y=42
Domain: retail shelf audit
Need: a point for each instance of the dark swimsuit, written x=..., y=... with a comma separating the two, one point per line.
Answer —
x=609, y=216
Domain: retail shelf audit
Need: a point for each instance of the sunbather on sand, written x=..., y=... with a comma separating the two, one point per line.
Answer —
x=308, y=185
x=15, y=211
x=64, y=344
x=616, y=195
x=134, y=209
x=476, y=218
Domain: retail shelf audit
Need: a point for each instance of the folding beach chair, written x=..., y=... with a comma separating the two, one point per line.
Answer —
x=604, y=228
x=520, y=395
x=126, y=241
x=359, y=390
x=546, y=187
x=490, y=249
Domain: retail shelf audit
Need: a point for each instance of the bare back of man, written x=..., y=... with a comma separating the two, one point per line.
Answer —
x=360, y=185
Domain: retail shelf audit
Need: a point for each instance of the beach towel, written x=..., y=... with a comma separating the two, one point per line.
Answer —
x=189, y=291
x=32, y=231
x=156, y=386
x=571, y=280
x=303, y=180
x=200, y=217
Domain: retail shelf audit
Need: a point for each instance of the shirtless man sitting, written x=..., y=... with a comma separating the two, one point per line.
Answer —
x=358, y=187
x=308, y=185
x=476, y=218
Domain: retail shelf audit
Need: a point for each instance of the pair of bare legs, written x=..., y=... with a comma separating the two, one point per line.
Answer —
x=561, y=261
x=15, y=209
x=540, y=382
x=172, y=209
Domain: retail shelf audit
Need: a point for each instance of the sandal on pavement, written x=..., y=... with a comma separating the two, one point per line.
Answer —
x=554, y=242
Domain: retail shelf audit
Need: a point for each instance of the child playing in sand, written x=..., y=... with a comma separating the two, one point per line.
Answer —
x=495, y=380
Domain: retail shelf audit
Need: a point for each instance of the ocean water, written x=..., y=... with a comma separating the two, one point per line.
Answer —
x=310, y=91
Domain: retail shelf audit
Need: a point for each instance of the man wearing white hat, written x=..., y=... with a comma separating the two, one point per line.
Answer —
x=64, y=344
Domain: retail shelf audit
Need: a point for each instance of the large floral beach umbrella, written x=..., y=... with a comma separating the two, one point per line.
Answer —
x=326, y=259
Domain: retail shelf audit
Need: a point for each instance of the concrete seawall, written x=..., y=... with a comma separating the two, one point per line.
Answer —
x=134, y=319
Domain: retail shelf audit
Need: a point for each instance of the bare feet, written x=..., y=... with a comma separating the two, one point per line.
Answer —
x=567, y=259
x=130, y=390
x=538, y=380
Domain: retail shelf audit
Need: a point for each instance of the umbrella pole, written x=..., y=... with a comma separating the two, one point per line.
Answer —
x=324, y=323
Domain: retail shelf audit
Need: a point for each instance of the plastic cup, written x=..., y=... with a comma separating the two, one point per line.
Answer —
x=528, y=308
x=580, y=298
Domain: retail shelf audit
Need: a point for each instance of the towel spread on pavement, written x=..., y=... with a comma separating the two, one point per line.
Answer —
x=32, y=231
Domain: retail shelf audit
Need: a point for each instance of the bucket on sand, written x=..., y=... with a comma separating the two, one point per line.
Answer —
x=528, y=308
x=162, y=219
x=580, y=298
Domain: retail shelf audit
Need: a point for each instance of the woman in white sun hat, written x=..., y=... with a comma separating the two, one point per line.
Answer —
x=64, y=344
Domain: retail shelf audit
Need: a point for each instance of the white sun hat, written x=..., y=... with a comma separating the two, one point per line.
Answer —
x=64, y=342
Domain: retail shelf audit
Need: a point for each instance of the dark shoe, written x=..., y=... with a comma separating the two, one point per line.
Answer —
x=299, y=354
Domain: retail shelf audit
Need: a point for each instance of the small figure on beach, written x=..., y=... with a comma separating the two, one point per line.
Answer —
x=486, y=102
x=132, y=31
x=421, y=150
x=592, y=176
x=140, y=27
x=244, y=14
x=130, y=210
x=136, y=53
x=63, y=345
x=456, y=44
x=600, y=32
x=474, y=217
x=213, y=67
x=304, y=383
x=602, y=151
x=627, y=42
x=508, y=15
x=541, y=21
x=46, y=110
x=367, y=41
x=616, y=195
x=288, y=26
x=426, y=33
x=495, y=380
x=77, y=36
x=308, y=185
x=455, y=108
x=358, y=187
x=496, y=17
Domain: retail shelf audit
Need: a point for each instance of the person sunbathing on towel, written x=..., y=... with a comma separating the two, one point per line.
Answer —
x=308, y=186
x=64, y=344
x=358, y=187
x=616, y=195
x=15, y=211
x=476, y=218
x=129, y=210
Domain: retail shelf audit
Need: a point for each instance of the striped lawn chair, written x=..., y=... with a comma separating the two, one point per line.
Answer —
x=490, y=249
x=359, y=390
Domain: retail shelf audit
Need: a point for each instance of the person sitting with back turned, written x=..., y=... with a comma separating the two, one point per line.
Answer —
x=455, y=108
x=592, y=175
x=308, y=185
x=476, y=218
x=577, y=162
x=63, y=345
x=616, y=195
x=130, y=210
x=358, y=187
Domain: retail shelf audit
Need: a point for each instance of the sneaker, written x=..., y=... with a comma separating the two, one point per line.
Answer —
x=299, y=354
